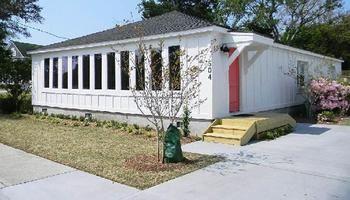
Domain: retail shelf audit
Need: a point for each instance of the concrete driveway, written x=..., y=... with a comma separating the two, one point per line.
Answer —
x=311, y=163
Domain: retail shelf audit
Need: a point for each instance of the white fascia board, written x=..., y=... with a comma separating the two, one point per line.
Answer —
x=147, y=38
x=237, y=37
x=281, y=46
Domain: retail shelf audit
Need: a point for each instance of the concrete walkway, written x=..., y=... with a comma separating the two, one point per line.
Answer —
x=311, y=163
x=25, y=176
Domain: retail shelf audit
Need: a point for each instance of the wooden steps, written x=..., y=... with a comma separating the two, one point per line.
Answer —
x=239, y=130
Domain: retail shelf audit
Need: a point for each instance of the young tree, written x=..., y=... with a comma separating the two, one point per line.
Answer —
x=162, y=87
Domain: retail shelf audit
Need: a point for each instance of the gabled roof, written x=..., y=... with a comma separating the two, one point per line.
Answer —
x=25, y=47
x=169, y=22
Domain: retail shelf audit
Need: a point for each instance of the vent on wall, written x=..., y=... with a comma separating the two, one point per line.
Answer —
x=88, y=116
x=44, y=110
x=178, y=124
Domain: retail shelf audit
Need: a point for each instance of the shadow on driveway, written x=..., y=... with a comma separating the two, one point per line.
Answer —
x=310, y=129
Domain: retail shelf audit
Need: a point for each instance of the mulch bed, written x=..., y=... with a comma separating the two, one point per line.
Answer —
x=149, y=163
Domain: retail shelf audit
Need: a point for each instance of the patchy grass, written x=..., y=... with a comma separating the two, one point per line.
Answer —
x=106, y=152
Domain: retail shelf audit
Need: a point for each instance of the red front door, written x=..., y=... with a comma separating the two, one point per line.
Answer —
x=234, y=83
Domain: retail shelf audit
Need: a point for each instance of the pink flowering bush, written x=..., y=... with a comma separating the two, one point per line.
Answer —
x=330, y=95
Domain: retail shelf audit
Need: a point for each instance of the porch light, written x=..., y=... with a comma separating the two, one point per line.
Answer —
x=224, y=48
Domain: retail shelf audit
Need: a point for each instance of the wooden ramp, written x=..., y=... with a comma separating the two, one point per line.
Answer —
x=239, y=130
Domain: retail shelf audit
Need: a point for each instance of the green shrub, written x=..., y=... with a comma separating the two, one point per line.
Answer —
x=15, y=115
x=277, y=132
x=61, y=116
x=115, y=124
x=137, y=127
x=124, y=126
x=150, y=134
x=26, y=105
x=186, y=121
x=55, y=120
x=107, y=124
x=99, y=124
x=81, y=118
x=148, y=128
x=326, y=116
x=7, y=105
x=138, y=132
x=129, y=129
x=86, y=123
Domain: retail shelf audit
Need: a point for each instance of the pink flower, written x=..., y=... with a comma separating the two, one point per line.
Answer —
x=329, y=95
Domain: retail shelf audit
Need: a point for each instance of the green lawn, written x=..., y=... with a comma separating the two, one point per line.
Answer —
x=106, y=152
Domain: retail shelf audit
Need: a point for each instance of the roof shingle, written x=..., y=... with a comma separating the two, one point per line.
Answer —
x=169, y=22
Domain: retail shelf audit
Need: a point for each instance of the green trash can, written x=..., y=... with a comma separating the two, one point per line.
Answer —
x=172, y=145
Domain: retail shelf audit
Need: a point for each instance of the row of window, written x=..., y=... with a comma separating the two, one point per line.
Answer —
x=156, y=70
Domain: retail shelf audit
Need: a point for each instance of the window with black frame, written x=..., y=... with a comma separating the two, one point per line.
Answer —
x=86, y=71
x=55, y=73
x=174, y=68
x=301, y=67
x=124, y=65
x=65, y=72
x=75, y=75
x=140, y=70
x=47, y=72
x=156, y=69
x=111, y=71
x=98, y=71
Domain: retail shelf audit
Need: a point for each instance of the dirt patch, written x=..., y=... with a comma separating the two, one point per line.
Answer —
x=186, y=140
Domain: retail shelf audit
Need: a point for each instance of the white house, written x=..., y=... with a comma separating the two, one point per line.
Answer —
x=19, y=49
x=249, y=73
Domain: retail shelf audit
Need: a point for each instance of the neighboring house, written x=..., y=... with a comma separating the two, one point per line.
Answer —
x=249, y=73
x=19, y=49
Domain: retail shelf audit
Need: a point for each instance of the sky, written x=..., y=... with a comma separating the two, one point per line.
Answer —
x=74, y=18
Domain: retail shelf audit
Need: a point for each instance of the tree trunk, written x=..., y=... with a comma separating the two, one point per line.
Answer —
x=163, y=142
x=158, y=145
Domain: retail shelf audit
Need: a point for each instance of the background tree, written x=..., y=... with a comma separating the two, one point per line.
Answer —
x=280, y=19
x=15, y=74
x=331, y=38
x=286, y=21
x=14, y=10
x=204, y=9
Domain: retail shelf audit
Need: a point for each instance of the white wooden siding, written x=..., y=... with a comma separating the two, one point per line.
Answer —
x=105, y=99
x=264, y=81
